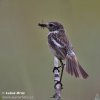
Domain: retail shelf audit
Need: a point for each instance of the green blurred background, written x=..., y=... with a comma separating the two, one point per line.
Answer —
x=25, y=60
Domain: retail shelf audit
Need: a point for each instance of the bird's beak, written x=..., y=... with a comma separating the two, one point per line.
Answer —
x=42, y=25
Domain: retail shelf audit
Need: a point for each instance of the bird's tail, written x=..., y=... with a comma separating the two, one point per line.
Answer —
x=74, y=68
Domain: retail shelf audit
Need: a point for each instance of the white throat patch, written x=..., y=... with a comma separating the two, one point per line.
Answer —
x=55, y=32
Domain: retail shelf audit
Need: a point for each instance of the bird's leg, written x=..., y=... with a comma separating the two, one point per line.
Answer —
x=62, y=65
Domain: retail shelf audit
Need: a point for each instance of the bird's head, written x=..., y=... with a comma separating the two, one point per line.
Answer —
x=51, y=26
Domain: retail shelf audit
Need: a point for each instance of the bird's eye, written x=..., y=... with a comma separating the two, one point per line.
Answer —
x=50, y=25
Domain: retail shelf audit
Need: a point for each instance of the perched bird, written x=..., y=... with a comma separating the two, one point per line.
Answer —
x=62, y=48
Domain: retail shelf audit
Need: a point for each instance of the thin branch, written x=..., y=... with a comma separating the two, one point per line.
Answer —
x=57, y=85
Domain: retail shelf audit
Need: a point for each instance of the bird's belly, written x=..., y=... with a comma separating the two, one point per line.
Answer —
x=53, y=51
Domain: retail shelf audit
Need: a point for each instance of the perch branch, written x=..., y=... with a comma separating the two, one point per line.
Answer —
x=58, y=85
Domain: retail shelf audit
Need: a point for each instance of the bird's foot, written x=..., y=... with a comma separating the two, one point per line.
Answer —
x=56, y=68
x=58, y=82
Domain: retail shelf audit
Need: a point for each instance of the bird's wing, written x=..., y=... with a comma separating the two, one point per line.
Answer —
x=60, y=39
x=59, y=43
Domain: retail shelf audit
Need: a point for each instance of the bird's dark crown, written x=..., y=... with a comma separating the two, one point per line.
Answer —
x=52, y=26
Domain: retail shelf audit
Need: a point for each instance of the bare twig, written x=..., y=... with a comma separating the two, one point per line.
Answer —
x=57, y=85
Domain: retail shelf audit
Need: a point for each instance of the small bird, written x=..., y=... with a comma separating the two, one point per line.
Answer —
x=62, y=48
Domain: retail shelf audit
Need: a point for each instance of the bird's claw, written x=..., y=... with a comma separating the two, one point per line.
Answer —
x=56, y=68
